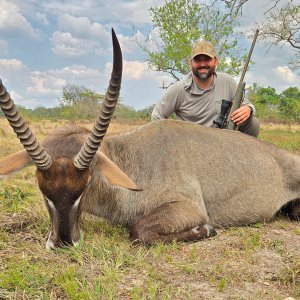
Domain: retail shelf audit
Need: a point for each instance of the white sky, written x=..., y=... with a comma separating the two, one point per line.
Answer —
x=45, y=45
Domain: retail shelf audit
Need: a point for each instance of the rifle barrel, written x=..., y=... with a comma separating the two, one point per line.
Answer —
x=238, y=98
x=248, y=57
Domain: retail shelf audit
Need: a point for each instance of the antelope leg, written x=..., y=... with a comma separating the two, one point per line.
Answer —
x=173, y=221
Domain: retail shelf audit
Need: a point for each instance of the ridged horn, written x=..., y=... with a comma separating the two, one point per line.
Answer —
x=38, y=154
x=90, y=147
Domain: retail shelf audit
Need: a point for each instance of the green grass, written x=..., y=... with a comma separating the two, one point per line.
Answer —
x=252, y=262
x=289, y=140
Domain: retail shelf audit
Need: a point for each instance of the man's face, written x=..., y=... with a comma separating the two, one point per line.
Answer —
x=203, y=66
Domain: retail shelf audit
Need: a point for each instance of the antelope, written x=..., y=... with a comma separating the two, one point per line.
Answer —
x=166, y=180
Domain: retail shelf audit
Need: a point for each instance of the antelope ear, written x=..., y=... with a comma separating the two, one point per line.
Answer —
x=114, y=174
x=14, y=163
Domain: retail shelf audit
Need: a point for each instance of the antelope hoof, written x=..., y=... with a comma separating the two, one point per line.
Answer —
x=205, y=231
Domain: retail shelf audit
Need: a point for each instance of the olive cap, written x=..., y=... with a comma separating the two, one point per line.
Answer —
x=204, y=47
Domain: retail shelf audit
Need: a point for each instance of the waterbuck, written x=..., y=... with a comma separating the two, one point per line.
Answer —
x=167, y=180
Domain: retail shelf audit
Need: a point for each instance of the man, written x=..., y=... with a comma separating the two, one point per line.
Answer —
x=197, y=97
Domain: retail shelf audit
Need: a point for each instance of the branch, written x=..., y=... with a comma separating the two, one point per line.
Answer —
x=235, y=6
x=173, y=74
x=274, y=6
x=293, y=43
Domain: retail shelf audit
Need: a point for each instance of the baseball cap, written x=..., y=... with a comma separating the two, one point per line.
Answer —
x=204, y=47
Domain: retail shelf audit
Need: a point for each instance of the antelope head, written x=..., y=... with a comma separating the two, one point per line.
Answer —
x=63, y=180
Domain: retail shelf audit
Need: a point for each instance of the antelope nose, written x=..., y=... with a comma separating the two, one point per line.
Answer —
x=51, y=245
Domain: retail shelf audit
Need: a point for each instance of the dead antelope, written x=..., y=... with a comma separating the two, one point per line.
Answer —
x=168, y=180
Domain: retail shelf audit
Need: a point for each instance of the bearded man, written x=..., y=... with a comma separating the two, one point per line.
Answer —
x=198, y=96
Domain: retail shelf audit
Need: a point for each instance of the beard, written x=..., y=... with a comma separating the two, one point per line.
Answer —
x=200, y=75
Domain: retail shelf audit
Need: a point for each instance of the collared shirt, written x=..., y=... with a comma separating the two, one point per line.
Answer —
x=193, y=104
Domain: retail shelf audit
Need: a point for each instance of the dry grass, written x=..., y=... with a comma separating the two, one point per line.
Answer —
x=278, y=126
x=256, y=262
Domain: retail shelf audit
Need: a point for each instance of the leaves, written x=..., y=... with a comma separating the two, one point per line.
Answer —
x=289, y=104
x=177, y=25
x=270, y=104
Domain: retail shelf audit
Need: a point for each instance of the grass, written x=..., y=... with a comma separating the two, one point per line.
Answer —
x=254, y=262
x=280, y=136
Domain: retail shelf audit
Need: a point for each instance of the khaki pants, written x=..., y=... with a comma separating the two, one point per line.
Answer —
x=250, y=127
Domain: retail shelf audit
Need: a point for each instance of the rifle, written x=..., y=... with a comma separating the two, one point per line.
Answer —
x=228, y=107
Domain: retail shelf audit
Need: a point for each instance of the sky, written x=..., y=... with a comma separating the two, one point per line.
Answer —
x=45, y=45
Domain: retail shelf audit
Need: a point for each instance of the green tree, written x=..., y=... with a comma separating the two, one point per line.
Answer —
x=267, y=96
x=125, y=112
x=178, y=24
x=78, y=102
x=265, y=99
x=72, y=94
x=88, y=105
x=146, y=112
x=289, y=104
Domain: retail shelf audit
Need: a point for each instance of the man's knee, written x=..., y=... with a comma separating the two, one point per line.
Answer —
x=250, y=127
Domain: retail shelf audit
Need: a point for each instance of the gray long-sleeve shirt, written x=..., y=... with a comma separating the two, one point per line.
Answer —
x=190, y=103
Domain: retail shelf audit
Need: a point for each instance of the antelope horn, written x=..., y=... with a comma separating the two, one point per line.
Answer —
x=90, y=147
x=38, y=154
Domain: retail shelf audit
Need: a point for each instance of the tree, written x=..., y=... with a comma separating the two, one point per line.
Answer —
x=71, y=94
x=265, y=99
x=289, y=104
x=178, y=24
x=283, y=27
x=267, y=96
x=236, y=6
x=79, y=102
x=88, y=105
x=282, y=24
x=146, y=112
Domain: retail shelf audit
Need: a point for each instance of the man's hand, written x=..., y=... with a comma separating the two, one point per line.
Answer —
x=241, y=115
